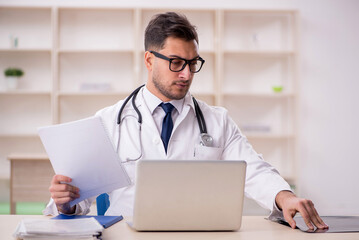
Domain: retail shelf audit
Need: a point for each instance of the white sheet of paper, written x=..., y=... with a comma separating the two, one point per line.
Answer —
x=84, y=228
x=83, y=151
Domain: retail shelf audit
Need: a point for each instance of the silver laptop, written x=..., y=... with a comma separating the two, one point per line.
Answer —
x=189, y=195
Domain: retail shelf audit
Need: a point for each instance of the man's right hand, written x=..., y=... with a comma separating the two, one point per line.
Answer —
x=63, y=193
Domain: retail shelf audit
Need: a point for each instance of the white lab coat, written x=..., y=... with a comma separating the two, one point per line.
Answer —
x=263, y=182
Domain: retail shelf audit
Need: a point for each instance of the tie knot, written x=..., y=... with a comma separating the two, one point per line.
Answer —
x=167, y=107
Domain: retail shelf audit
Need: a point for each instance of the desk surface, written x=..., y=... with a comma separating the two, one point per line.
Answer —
x=253, y=227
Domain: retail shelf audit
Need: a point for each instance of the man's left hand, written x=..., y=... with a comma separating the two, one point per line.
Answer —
x=290, y=204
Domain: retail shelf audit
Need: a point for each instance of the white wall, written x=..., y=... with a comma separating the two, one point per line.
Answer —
x=329, y=105
x=329, y=114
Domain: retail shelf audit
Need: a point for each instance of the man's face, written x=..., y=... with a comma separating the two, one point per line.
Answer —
x=164, y=83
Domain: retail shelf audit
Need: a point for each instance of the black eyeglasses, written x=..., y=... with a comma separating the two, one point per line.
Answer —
x=177, y=64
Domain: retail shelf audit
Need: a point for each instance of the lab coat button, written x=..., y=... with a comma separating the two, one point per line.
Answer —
x=156, y=141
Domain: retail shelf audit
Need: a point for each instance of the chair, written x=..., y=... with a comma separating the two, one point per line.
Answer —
x=102, y=203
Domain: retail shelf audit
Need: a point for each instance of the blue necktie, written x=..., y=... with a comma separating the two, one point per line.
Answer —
x=167, y=124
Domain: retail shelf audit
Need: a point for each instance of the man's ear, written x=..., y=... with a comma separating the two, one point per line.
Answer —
x=149, y=60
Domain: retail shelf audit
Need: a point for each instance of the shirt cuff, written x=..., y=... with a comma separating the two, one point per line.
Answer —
x=51, y=209
x=78, y=211
x=276, y=213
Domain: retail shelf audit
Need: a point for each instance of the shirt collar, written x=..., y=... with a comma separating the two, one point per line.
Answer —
x=152, y=101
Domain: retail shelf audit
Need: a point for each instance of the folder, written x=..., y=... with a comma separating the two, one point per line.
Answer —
x=337, y=224
x=105, y=221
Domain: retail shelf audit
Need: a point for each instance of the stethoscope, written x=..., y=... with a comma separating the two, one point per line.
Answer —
x=205, y=138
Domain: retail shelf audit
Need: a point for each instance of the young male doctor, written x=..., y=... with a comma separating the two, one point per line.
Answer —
x=172, y=59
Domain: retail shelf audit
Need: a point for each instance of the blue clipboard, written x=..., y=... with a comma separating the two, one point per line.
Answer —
x=105, y=221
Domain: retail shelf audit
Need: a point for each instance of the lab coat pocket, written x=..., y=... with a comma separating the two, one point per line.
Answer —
x=207, y=153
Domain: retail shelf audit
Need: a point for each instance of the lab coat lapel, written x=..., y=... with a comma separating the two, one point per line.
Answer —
x=187, y=105
x=147, y=118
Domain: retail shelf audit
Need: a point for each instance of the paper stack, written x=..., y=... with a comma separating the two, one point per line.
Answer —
x=86, y=228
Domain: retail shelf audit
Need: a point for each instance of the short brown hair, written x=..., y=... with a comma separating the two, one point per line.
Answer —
x=169, y=24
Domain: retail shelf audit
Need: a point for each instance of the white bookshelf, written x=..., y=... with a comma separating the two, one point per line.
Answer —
x=77, y=60
x=28, y=25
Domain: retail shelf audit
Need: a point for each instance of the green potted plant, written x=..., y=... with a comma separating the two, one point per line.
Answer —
x=12, y=75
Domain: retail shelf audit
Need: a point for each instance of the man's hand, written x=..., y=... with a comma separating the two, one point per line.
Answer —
x=63, y=193
x=291, y=204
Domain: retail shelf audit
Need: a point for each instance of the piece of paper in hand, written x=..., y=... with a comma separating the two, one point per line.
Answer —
x=83, y=151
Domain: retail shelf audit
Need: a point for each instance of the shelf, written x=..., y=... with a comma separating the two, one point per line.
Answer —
x=265, y=136
x=96, y=28
x=36, y=66
x=24, y=113
x=24, y=92
x=94, y=50
x=29, y=135
x=74, y=107
x=260, y=52
x=21, y=156
x=78, y=60
x=202, y=94
x=290, y=180
x=270, y=114
x=250, y=73
x=209, y=98
x=115, y=72
x=203, y=81
x=261, y=11
x=279, y=152
x=201, y=51
x=93, y=93
x=264, y=30
x=28, y=26
x=259, y=95
x=206, y=51
x=25, y=50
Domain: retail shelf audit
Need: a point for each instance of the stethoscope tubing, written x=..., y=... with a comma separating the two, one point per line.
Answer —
x=133, y=95
x=200, y=118
x=205, y=137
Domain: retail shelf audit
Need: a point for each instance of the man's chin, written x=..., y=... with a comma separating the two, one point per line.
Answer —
x=179, y=95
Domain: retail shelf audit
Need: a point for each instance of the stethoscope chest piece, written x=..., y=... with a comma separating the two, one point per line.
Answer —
x=206, y=140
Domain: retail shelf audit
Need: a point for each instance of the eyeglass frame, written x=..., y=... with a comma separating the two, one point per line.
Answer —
x=187, y=62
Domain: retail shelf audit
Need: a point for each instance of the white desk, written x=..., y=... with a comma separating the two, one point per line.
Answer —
x=253, y=228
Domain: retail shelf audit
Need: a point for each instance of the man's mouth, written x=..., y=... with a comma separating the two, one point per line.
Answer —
x=182, y=84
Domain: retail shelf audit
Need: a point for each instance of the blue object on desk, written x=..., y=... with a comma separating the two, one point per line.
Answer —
x=105, y=221
x=102, y=203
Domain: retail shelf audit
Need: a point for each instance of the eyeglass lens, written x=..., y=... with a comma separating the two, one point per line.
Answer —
x=179, y=64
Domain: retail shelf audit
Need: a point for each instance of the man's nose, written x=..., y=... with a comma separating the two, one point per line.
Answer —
x=186, y=72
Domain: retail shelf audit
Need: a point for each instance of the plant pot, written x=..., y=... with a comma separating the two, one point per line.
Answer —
x=12, y=82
